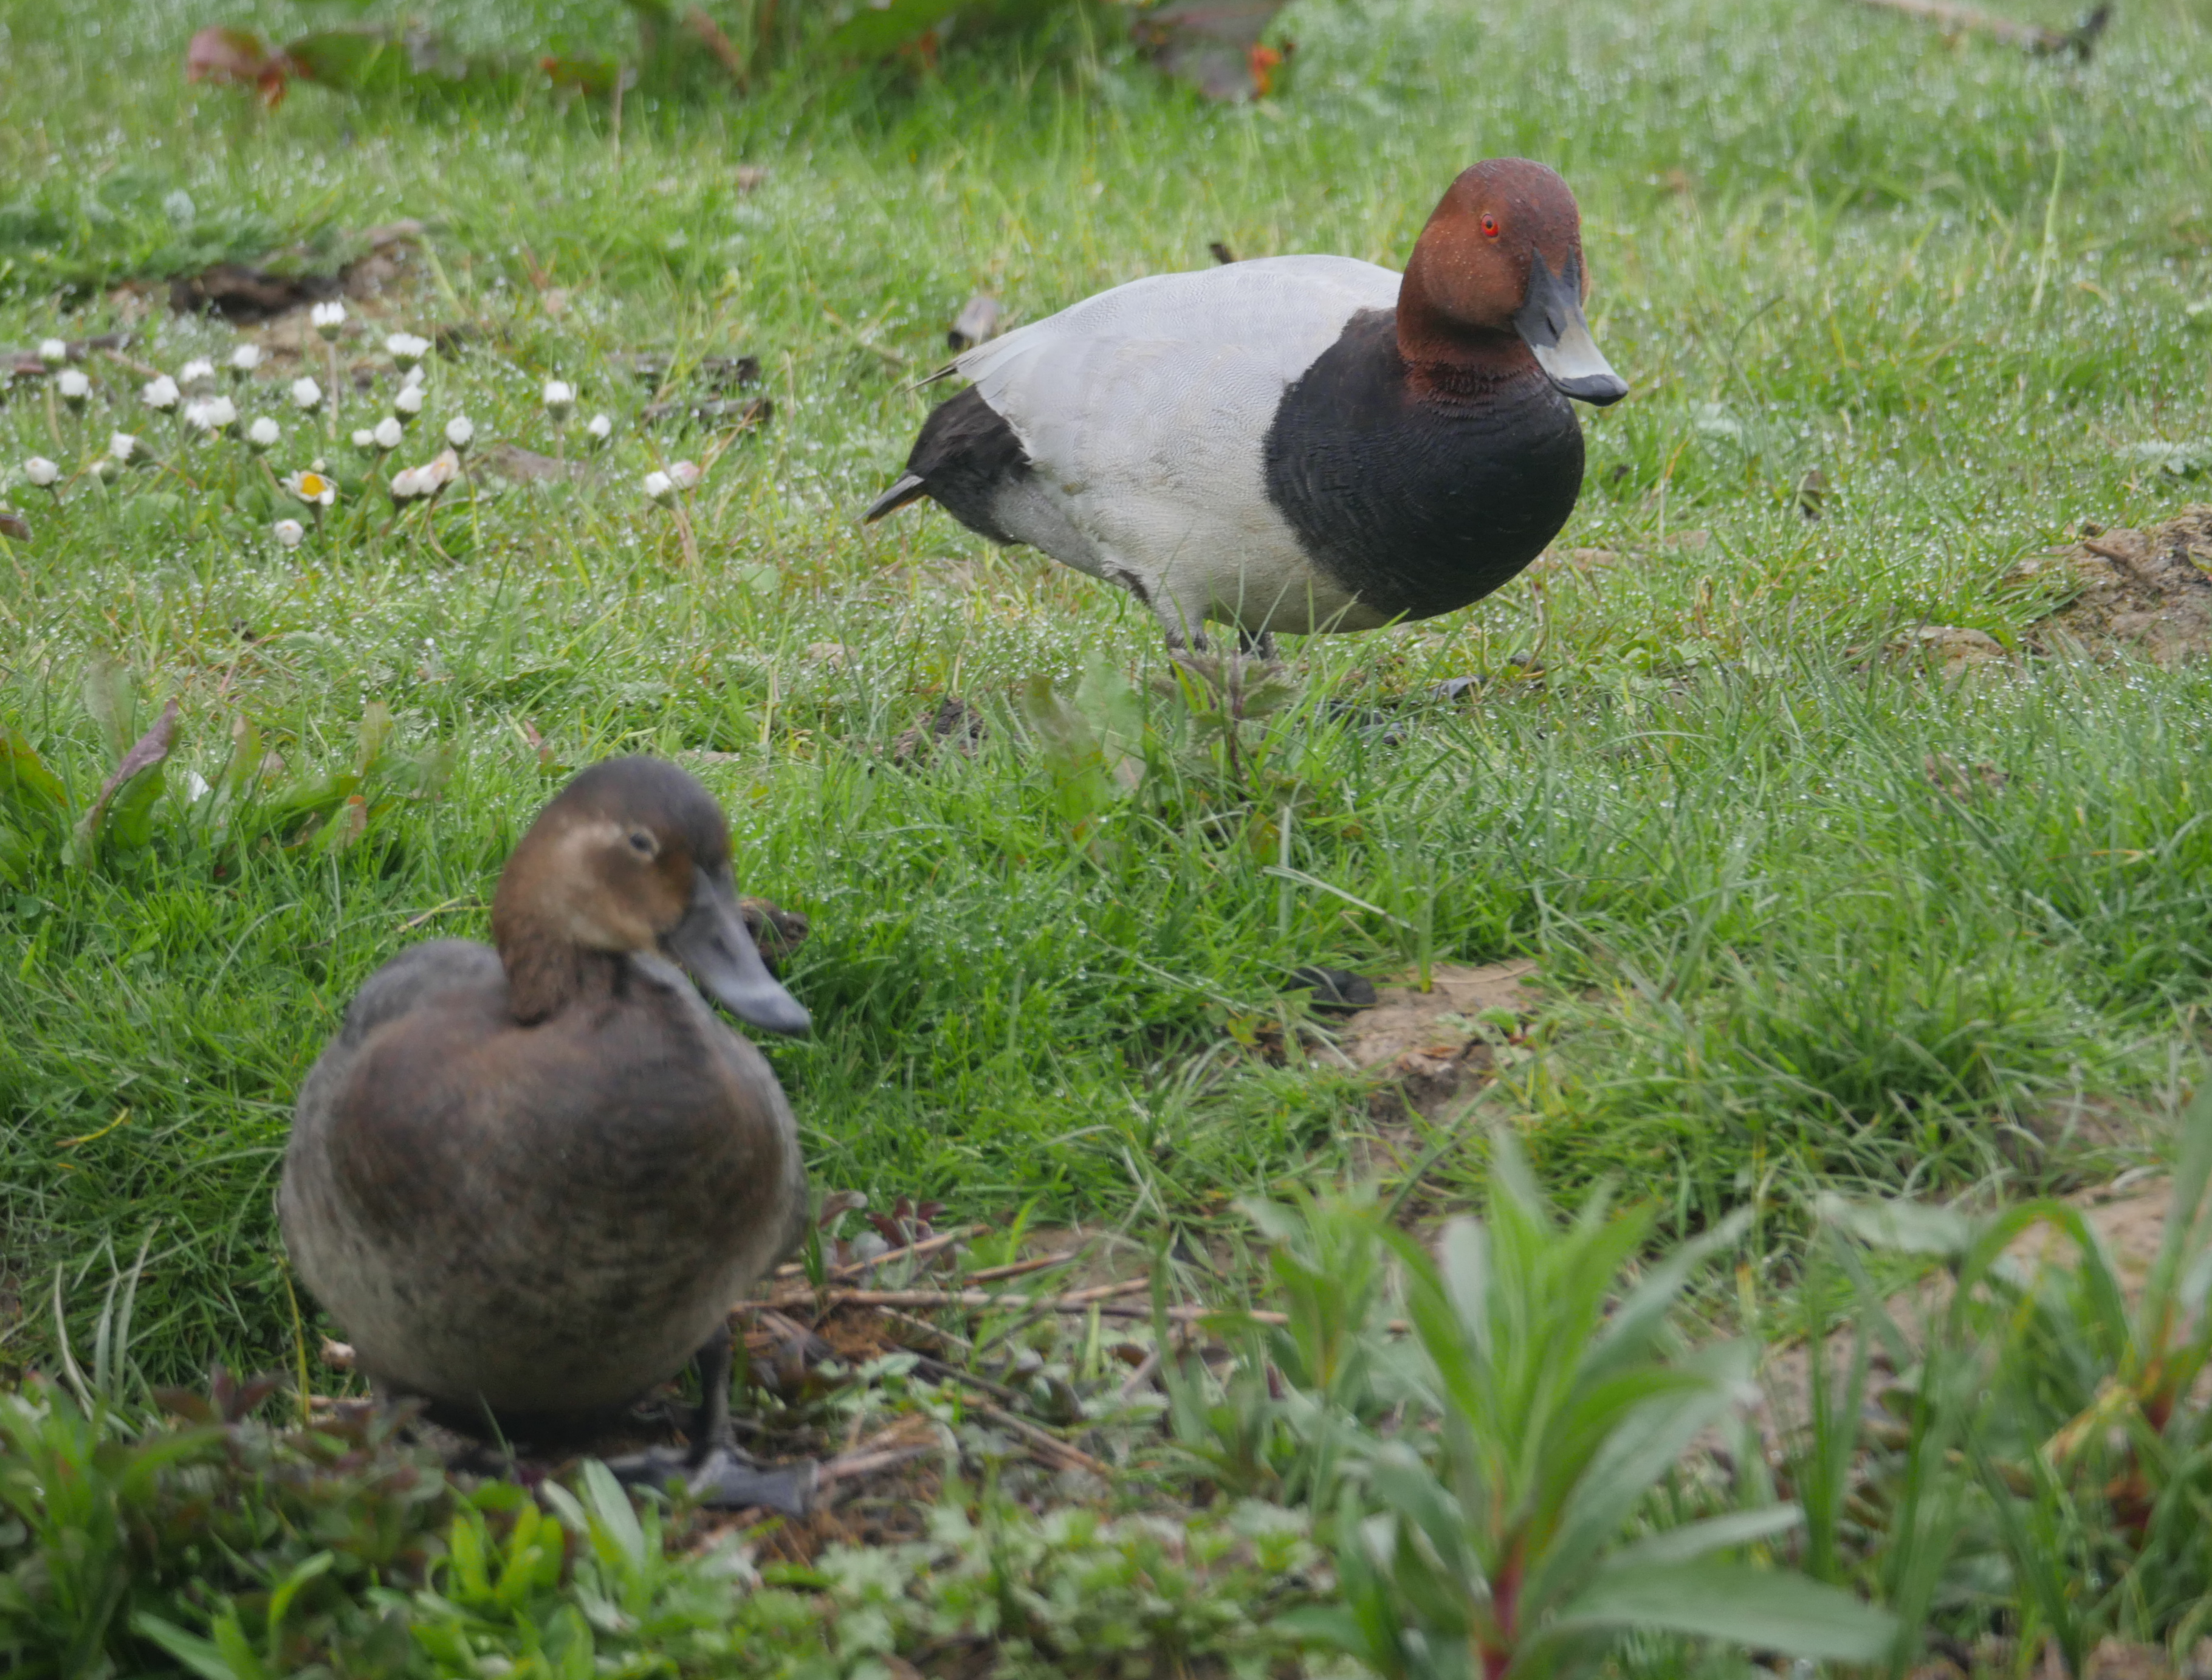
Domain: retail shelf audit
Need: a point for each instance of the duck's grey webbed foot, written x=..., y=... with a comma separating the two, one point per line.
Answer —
x=717, y=1472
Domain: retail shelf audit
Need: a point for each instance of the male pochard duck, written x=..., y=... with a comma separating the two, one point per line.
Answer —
x=1296, y=443
x=533, y=1182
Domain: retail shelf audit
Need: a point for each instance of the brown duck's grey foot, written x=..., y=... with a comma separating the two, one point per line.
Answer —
x=716, y=1471
x=723, y=1478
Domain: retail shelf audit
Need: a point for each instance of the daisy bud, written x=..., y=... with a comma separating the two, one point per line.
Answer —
x=245, y=359
x=413, y=377
x=600, y=428
x=408, y=403
x=406, y=484
x=210, y=414
x=460, y=433
x=41, y=471
x=289, y=533
x=160, y=394
x=74, y=386
x=52, y=351
x=307, y=395
x=263, y=432
x=684, y=474
x=560, y=398
x=387, y=432
x=197, y=371
x=406, y=348
x=659, y=486
x=327, y=319
x=364, y=440
x=121, y=445
x=440, y=470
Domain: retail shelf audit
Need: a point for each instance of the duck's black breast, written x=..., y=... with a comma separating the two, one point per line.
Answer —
x=1419, y=504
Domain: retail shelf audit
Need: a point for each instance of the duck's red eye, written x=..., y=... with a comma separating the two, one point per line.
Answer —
x=1489, y=225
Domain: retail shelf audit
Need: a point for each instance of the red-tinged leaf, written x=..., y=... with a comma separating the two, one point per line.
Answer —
x=225, y=56
x=238, y=58
x=1212, y=43
x=132, y=785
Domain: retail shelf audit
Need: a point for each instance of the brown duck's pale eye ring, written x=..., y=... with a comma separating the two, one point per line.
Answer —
x=1489, y=225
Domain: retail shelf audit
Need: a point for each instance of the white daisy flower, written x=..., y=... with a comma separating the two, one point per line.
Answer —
x=388, y=432
x=160, y=394
x=289, y=533
x=407, y=403
x=560, y=398
x=406, y=484
x=197, y=371
x=74, y=386
x=600, y=428
x=363, y=439
x=406, y=348
x=307, y=395
x=121, y=445
x=246, y=358
x=52, y=351
x=312, y=487
x=41, y=471
x=684, y=474
x=263, y=432
x=460, y=432
x=659, y=486
x=414, y=376
x=328, y=318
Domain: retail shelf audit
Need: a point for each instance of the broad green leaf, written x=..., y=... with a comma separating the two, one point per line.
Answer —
x=1768, y=1609
x=874, y=31
x=111, y=699
x=202, y=1657
x=1906, y=1227
x=1693, y=1540
x=1643, y=1311
x=34, y=794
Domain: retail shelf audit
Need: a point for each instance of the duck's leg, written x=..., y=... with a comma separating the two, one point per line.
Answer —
x=719, y=1473
x=1256, y=644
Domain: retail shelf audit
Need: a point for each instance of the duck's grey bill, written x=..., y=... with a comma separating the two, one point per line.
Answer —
x=719, y=955
x=1550, y=320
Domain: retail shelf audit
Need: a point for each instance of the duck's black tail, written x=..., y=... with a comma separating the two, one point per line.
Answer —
x=910, y=488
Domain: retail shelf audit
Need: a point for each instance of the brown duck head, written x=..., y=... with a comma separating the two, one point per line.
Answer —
x=632, y=857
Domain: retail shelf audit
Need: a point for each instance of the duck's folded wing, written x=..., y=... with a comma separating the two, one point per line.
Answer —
x=417, y=977
x=1146, y=409
x=1286, y=310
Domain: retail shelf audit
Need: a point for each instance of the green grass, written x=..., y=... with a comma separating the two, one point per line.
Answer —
x=1955, y=280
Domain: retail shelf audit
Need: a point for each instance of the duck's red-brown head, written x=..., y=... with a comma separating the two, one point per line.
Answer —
x=1498, y=277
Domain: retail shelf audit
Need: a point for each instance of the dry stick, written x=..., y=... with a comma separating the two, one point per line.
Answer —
x=1043, y=1440
x=976, y=1300
x=711, y=37
x=912, y=1250
x=1944, y=14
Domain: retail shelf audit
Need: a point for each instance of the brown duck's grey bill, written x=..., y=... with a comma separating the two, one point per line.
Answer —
x=1550, y=320
x=715, y=948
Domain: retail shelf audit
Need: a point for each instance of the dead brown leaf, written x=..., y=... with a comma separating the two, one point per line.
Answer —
x=2141, y=590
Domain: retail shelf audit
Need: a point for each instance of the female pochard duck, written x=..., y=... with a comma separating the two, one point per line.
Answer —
x=1298, y=443
x=533, y=1182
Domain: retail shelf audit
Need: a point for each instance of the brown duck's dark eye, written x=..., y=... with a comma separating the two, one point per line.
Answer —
x=642, y=843
x=1489, y=225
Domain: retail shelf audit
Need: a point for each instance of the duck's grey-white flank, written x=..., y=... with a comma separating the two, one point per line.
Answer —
x=1296, y=443
x=532, y=1182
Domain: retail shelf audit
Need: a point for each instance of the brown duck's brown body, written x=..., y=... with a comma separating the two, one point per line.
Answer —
x=541, y=1197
